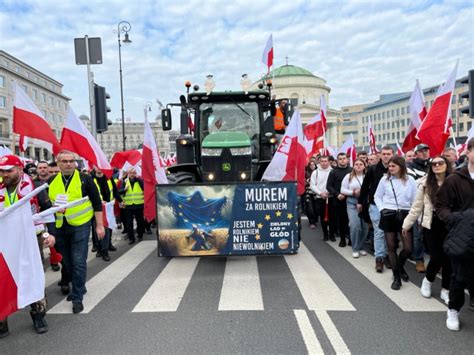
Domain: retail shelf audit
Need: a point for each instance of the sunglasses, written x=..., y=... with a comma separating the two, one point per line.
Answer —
x=438, y=163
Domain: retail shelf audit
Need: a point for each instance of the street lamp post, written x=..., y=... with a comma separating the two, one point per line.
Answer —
x=122, y=27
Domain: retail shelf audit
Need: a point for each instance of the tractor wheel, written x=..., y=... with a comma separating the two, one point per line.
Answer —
x=181, y=177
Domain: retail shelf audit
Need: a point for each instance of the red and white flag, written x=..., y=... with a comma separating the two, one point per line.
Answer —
x=108, y=215
x=29, y=121
x=289, y=161
x=315, y=130
x=400, y=151
x=132, y=157
x=21, y=270
x=434, y=129
x=23, y=143
x=152, y=172
x=371, y=138
x=77, y=138
x=267, y=56
x=417, y=115
x=349, y=148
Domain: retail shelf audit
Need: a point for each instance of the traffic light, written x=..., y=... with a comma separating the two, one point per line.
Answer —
x=101, y=108
x=469, y=94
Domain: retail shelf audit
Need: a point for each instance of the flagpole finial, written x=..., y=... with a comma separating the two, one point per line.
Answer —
x=286, y=57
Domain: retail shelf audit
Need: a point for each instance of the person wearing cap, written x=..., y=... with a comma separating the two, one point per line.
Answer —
x=133, y=199
x=74, y=224
x=417, y=169
x=15, y=185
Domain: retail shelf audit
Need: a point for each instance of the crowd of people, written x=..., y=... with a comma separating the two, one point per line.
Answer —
x=401, y=208
x=68, y=237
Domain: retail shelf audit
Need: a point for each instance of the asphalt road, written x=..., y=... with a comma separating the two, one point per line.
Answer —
x=318, y=301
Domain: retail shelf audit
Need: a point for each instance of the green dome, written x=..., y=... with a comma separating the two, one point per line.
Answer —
x=290, y=70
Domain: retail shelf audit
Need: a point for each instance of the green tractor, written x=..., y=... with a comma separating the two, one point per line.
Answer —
x=233, y=138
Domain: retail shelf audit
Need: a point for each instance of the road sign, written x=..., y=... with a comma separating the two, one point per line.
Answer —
x=95, y=51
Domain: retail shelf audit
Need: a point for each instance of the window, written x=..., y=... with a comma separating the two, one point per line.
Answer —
x=2, y=81
x=378, y=126
x=52, y=117
x=393, y=113
x=408, y=121
x=398, y=135
x=383, y=115
x=388, y=114
x=34, y=94
x=398, y=112
x=35, y=79
x=378, y=116
x=51, y=101
x=383, y=125
x=469, y=125
x=25, y=89
x=453, y=99
x=403, y=110
x=65, y=106
x=17, y=68
x=393, y=135
x=43, y=98
x=453, y=113
x=3, y=102
x=58, y=103
x=461, y=126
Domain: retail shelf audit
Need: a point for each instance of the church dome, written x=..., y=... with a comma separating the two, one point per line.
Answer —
x=290, y=70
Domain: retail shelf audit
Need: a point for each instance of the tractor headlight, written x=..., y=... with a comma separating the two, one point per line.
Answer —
x=243, y=176
x=211, y=152
x=211, y=177
x=241, y=151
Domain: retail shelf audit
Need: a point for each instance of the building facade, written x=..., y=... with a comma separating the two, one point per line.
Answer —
x=45, y=92
x=111, y=141
x=304, y=90
x=390, y=117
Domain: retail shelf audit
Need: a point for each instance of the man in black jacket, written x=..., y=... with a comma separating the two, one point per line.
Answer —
x=454, y=196
x=337, y=201
x=367, y=192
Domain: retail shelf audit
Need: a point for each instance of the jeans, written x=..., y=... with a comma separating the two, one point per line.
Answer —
x=357, y=227
x=72, y=243
x=418, y=247
x=380, y=244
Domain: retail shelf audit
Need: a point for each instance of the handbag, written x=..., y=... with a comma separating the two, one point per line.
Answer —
x=386, y=214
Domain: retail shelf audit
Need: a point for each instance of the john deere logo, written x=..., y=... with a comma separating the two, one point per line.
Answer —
x=226, y=167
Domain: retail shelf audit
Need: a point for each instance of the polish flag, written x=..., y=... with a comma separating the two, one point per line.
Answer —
x=434, y=129
x=267, y=56
x=461, y=148
x=417, y=114
x=400, y=151
x=108, y=215
x=21, y=270
x=28, y=121
x=288, y=163
x=133, y=157
x=23, y=143
x=349, y=148
x=371, y=138
x=77, y=138
x=315, y=130
x=152, y=172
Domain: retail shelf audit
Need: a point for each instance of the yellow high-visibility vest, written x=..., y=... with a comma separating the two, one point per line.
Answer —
x=109, y=184
x=75, y=216
x=133, y=196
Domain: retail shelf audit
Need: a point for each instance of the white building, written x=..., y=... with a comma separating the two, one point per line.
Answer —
x=304, y=90
x=45, y=92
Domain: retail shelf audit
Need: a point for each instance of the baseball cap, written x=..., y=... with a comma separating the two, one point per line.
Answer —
x=421, y=146
x=9, y=161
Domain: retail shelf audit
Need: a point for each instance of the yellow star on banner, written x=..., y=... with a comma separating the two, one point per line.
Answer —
x=207, y=223
x=189, y=199
x=180, y=206
x=186, y=220
x=180, y=213
x=212, y=219
x=260, y=226
x=290, y=215
x=267, y=217
x=257, y=236
x=278, y=213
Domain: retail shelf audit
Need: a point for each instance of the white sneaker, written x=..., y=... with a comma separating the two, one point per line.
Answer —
x=363, y=253
x=444, y=295
x=452, y=321
x=355, y=254
x=426, y=288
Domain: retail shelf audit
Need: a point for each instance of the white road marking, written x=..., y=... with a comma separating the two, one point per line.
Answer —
x=408, y=298
x=167, y=291
x=318, y=289
x=332, y=333
x=241, y=289
x=105, y=281
x=309, y=337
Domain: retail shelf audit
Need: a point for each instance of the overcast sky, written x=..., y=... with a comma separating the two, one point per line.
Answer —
x=361, y=48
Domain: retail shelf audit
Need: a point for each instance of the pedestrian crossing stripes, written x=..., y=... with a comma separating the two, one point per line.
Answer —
x=408, y=298
x=103, y=283
x=166, y=293
x=240, y=284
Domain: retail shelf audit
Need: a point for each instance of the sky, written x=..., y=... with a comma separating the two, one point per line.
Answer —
x=361, y=48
